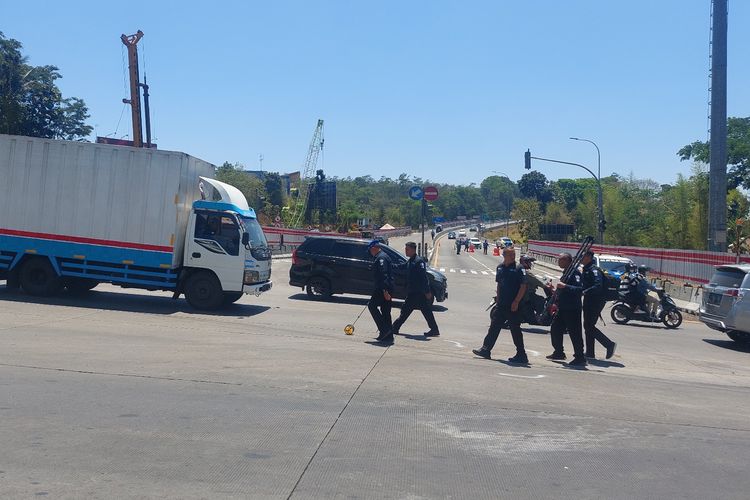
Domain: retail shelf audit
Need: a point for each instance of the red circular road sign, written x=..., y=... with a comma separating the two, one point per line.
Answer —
x=430, y=193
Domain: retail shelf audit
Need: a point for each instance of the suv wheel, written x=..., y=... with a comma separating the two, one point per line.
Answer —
x=319, y=287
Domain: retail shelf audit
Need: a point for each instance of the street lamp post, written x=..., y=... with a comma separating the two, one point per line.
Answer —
x=599, y=180
x=528, y=159
x=507, y=205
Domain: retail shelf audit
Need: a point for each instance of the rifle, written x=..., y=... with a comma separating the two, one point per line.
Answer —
x=550, y=307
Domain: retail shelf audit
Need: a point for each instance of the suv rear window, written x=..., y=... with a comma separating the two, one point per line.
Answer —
x=317, y=245
x=351, y=250
x=729, y=278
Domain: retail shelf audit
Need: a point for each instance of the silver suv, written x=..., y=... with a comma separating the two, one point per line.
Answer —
x=726, y=302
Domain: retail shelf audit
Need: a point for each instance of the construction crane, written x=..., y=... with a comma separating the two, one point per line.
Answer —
x=308, y=173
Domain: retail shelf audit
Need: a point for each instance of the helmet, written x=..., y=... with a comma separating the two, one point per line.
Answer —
x=526, y=261
x=630, y=268
x=642, y=269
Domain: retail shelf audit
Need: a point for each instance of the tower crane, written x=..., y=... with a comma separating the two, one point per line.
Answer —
x=308, y=173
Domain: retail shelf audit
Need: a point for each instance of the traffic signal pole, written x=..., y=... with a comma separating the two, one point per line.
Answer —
x=602, y=222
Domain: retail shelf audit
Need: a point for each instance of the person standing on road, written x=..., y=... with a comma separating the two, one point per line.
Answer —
x=511, y=288
x=432, y=233
x=458, y=246
x=593, y=304
x=419, y=295
x=485, y=245
x=568, y=317
x=380, y=303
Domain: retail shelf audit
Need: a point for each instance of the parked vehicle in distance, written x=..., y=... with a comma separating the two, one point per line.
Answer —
x=476, y=243
x=614, y=265
x=462, y=234
x=80, y=213
x=473, y=229
x=451, y=235
x=438, y=228
x=504, y=242
x=328, y=265
x=725, y=305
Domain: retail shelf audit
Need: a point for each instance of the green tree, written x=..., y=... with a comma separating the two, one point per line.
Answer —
x=528, y=212
x=535, y=185
x=31, y=103
x=738, y=152
x=275, y=189
x=252, y=187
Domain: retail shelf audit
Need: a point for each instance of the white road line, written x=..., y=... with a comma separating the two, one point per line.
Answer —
x=442, y=269
x=463, y=271
x=458, y=344
x=485, y=273
x=481, y=263
x=521, y=376
x=453, y=270
x=533, y=353
x=473, y=272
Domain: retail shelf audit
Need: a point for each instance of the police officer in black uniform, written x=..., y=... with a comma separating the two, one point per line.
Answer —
x=593, y=303
x=380, y=302
x=419, y=295
x=568, y=316
x=511, y=288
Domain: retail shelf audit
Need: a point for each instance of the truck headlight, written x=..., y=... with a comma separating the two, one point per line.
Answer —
x=251, y=277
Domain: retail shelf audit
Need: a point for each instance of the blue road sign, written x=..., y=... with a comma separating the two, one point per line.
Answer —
x=416, y=193
x=438, y=219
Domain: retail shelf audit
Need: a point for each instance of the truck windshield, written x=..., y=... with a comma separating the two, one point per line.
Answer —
x=252, y=227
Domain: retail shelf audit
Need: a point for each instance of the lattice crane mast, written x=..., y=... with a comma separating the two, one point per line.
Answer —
x=308, y=173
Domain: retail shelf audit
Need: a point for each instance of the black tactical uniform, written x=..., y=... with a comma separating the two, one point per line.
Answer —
x=593, y=303
x=418, y=286
x=509, y=279
x=379, y=307
x=568, y=319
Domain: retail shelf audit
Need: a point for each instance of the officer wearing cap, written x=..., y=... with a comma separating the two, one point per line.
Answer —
x=380, y=302
x=419, y=295
x=511, y=287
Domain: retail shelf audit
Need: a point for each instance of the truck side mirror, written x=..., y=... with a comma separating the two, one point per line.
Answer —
x=246, y=239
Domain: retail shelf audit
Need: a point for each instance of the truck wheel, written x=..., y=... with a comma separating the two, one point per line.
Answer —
x=79, y=285
x=232, y=297
x=319, y=287
x=38, y=278
x=203, y=291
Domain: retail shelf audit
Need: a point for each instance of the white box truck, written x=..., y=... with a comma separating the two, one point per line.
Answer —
x=75, y=214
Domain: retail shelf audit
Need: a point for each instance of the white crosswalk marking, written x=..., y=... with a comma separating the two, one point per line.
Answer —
x=485, y=273
x=463, y=271
x=453, y=270
x=442, y=269
x=473, y=272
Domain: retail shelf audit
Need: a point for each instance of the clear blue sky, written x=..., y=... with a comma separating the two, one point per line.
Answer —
x=448, y=91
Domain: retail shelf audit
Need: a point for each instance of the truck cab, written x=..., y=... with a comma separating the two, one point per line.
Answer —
x=226, y=254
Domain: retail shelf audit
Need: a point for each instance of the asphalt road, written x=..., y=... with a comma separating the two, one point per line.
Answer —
x=128, y=394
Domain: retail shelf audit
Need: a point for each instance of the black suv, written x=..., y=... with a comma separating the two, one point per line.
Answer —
x=326, y=265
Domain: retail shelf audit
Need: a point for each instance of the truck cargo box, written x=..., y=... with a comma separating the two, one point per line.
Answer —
x=91, y=202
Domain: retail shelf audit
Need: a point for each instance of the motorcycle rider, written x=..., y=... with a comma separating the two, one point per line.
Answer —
x=533, y=283
x=641, y=285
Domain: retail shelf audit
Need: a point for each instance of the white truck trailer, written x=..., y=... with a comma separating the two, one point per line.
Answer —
x=75, y=214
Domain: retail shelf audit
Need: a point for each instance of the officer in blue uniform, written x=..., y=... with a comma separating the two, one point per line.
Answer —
x=511, y=288
x=380, y=303
x=419, y=295
x=593, y=303
x=568, y=317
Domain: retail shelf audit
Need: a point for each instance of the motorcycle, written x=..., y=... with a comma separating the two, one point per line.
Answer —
x=533, y=312
x=625, y=309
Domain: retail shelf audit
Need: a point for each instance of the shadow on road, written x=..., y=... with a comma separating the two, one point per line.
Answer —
x=605, y=363
x=535, y=330
x=729, y=344
x=358, y=301
x=126, y=302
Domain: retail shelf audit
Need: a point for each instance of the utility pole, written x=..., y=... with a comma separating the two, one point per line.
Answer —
x=146, y=110
x=717, y=180
x=135, y=95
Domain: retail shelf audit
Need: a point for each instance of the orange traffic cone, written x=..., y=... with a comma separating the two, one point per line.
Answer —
x=471, y=248
x=496, y=251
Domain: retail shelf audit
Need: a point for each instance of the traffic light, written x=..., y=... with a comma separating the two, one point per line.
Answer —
x=527, y=159
x=602, y=225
